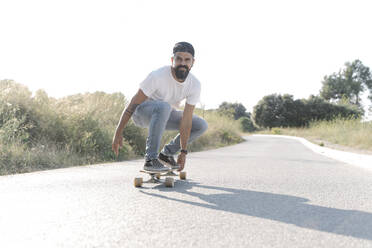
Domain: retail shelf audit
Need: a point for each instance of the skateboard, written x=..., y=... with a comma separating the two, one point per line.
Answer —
x=156, y=178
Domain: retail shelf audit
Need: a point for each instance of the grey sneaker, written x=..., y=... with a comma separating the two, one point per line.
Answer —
x=169, y=160
x=155, y=165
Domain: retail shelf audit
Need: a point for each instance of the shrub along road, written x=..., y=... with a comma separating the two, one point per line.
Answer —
x=264, y=192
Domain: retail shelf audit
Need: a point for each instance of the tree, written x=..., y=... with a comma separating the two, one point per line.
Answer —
x=348, y=83
x=235, y=110
x=283, y=111
x=268, y=111
x=279, y=111
x=247, y=124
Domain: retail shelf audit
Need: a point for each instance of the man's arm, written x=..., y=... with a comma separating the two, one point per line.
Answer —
x=137, y=99
x=185, y=129
x=186, y=124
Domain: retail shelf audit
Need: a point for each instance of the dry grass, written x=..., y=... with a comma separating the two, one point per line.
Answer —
x=344, y=132
x=18, y=158
x=221, y=131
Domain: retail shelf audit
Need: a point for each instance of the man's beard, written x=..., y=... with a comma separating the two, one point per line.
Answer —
x=181, y=74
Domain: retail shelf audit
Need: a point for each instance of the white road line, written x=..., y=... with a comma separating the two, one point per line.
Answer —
x=361, y=160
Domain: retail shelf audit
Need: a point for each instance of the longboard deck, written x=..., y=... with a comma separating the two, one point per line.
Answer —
x=163, y=173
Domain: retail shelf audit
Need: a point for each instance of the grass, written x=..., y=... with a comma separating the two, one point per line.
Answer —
x=222, y=131
x=19, y=158
x=38, y=132
x=338, y=133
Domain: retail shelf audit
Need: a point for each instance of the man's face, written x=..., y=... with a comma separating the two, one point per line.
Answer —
x=182, y=63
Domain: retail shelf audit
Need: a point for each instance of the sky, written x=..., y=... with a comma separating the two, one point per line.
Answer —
x=244, y=50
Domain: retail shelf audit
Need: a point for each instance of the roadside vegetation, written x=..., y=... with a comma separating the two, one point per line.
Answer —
x=332, y=118
x=343, y=134
x=38, y=132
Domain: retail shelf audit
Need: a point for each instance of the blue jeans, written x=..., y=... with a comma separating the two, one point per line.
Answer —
x=159, y=116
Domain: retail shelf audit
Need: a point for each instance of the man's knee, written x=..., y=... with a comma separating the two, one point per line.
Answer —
x=201, y=126
x=163, y=107
x=204, y=126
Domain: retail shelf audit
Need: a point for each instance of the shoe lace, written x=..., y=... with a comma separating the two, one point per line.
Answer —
x=157, y=164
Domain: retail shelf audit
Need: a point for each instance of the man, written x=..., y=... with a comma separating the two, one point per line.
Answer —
x=153, y=107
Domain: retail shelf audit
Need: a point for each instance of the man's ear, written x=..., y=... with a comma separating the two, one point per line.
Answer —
x=193, y=61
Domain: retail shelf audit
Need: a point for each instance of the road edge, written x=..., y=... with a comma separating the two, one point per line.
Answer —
x=360, y=160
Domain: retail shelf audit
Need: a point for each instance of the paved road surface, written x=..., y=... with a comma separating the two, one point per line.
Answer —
x=265, y=192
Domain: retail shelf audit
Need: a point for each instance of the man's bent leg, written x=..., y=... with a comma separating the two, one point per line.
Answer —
x=154, y=115
x=199, y=126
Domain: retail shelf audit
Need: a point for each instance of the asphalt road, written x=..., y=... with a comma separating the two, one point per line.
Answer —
x=265, y=192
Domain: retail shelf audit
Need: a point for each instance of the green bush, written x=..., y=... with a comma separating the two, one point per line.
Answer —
x=276, y=130
x=247, y=124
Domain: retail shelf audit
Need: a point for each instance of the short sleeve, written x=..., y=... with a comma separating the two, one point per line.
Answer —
x=148, y=85
x=194, y=97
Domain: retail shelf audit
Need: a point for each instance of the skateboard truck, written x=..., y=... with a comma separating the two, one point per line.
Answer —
x=156, y=178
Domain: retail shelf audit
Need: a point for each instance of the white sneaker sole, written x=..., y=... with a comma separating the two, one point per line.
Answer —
x=169, y=165
x=156, y=170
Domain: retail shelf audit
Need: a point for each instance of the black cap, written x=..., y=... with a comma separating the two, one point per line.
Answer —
x=184, y=47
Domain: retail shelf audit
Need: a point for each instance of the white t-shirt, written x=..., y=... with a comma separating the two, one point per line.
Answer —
x=160, y=85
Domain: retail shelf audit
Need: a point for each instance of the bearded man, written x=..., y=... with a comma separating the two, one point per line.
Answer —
x=154, y=107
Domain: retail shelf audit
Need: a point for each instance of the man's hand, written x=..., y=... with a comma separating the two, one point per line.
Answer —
x=185, y=129
x=117, y=142
x=181, y=160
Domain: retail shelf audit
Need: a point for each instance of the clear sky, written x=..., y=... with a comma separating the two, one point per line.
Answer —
x=244, y=50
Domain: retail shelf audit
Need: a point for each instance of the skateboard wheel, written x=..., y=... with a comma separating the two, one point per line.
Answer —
x=157, y=176
x=138, y=182
x=169, y=182
x=183, y=175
